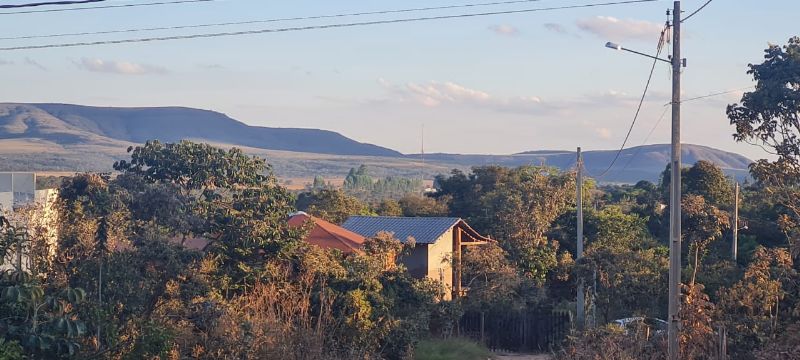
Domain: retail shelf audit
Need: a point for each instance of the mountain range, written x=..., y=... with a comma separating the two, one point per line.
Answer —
x=63, y=137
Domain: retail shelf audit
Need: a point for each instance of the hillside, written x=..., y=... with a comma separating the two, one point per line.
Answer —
x=59, y=137
x=73, y=124
x=634, y=164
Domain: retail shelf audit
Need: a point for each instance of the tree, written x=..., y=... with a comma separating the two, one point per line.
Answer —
x=702, y=224
x=769, y=117
x=491, y=278
x=195, y=166
x=332, y=205
x=389, y=207
x=463, y=193
x=521, y=210
x=707, y=180
x=697, y=313
x=415, y=205
x=755, y=309
x=319, y=183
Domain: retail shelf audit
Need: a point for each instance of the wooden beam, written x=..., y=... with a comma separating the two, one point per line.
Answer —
x=474, y=243
x=457, y=262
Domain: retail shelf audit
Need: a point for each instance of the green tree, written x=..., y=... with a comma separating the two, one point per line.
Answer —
x=702, y=224
x=319, y=183
x=332, y=205
x=767, y=117
x=707, y=180
x=521, y=210
x=389, y=207
x=422, y=206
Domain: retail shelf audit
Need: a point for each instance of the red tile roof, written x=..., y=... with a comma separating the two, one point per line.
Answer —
x=327, y=235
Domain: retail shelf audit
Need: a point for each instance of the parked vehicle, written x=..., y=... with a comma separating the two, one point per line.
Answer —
x=635, y=324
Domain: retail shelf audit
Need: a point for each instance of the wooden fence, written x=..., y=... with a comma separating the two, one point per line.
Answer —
x=534, y=330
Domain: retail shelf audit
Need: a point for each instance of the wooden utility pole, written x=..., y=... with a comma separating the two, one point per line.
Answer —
x=735, y=245
x=675, y=192
x=581, y=301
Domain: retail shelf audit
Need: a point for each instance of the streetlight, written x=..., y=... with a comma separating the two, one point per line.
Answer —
x=675, y=191
x=618, y=47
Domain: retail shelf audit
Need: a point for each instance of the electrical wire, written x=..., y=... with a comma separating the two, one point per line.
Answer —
x=249, y=22
x=697, y=11
x=639, y=107
x=653, y=130
x=172, y=2
x=48, y=3
x=716, y=94
x=315, y=27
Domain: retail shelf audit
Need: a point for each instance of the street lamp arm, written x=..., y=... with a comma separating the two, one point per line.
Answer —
x=646, y=55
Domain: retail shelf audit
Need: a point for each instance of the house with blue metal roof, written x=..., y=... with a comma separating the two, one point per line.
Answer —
x=439, y=244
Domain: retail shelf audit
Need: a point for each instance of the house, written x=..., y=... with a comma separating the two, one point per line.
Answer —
x=328, y=235
x=439, y=244
x=25, y=207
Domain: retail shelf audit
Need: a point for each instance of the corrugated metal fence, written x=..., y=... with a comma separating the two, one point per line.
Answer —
x=532, y=330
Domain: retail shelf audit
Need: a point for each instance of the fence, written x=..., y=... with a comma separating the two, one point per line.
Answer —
x=533, y=330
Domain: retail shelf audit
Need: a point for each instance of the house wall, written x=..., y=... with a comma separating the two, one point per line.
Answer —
x=40, y=218
x=440, y=256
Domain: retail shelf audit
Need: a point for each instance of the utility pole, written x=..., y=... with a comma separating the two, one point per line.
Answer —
x=675, y=191
x=735, y=245
x=581, y=313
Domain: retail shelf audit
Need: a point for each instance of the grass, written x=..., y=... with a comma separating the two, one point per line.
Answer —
x=450, y=349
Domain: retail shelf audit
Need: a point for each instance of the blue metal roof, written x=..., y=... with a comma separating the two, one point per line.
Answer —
x=425, y=230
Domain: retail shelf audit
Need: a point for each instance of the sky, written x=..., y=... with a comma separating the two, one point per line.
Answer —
x=496, y=84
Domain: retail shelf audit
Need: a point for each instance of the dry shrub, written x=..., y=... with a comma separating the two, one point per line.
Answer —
x=612, y=343
x=280, y=319
x=697, y=337
x=786, y=346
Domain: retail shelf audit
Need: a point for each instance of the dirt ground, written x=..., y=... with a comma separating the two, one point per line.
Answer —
x=523, y=357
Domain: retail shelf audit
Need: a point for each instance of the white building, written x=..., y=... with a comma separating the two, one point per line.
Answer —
x=29, y=209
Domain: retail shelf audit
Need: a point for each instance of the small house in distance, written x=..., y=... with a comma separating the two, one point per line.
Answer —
x=328, y=235
x=439, y=244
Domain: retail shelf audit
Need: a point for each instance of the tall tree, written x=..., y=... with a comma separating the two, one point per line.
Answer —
x=707, y=180
x=332, y=205
x=769, y=117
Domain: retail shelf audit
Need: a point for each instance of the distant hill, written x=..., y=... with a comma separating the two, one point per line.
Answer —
x=634, y=164
x=60, y=137
x=73, y=124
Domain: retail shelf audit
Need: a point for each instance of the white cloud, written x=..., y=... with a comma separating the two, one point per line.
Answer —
x=506, y=30
x=613, y=29
x=6, y=62
x=118, y=67
x=603, y=133
x=436, y=94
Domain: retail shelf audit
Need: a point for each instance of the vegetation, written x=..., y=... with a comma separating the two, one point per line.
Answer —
x=450, y=349
x=185, y=252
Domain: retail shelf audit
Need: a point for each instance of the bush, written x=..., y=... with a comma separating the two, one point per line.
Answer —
x=450, y=349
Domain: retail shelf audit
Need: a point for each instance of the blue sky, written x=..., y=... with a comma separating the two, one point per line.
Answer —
x=496, y=84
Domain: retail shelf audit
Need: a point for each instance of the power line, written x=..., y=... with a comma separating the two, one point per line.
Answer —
x=716, y=94
x=48, y=3
x=653, y=130
x=697, y=11
x=248, y=22
x=315, y=27
x=641, y=103
x=172, y=2
x=666, y=108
